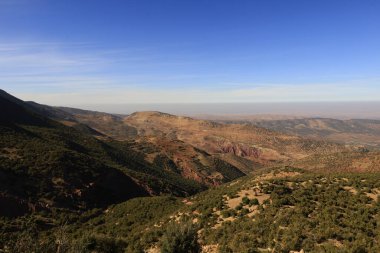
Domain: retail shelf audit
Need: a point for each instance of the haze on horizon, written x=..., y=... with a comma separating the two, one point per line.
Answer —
x=241, y=111
x=102, y=53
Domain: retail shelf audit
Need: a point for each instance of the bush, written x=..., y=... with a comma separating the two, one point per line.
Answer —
x=180, y=238
x=239, y=207
x=254, y=202
x=245, y=200
x=100, y=244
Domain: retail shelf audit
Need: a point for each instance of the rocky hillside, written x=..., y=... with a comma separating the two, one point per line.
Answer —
x=179, y=157
x=247, y=141
x=255, y=144
x=45, y=164
x=245, y=146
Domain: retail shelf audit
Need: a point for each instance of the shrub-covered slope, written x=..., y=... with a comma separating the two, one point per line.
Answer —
x=44, y=164
x=276, y=210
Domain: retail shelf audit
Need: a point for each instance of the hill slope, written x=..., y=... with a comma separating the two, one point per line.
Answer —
x=254, y=143
x=86, y=186
x=45, y=164
x=276, y=210
x=353, y=132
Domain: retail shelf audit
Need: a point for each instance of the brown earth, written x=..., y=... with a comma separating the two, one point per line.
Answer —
x=246, y=141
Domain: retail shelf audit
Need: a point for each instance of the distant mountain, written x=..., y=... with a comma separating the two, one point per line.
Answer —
x=353, y=132
x=247, y=145
x=109, y=124
x=256, y=144
x=244, y=145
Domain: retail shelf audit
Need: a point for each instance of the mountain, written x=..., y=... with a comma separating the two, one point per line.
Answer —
x=14, y=111
x=179, y=157
x=46, y=164
x=73, y=180
x=245, y=146
x=110, y=124
x=253, y=143
x=364, y=132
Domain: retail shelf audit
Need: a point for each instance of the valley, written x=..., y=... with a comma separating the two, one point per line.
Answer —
x=202, y=126
x=82, y=181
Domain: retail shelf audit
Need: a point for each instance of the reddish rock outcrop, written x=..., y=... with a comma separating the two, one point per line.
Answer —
x=240, y=150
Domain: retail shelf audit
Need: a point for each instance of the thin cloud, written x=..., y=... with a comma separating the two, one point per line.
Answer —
x=56, y=64
x=273, y=93
x=84, y=65
x=78, y=73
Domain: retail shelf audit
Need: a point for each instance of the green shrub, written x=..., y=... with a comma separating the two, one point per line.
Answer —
x=180, y=238
x=245, y=200
x=254, y=202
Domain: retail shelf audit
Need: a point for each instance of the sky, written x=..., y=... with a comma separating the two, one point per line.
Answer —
x=98, y=52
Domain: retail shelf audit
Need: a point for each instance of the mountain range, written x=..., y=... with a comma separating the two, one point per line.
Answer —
x=364, y=132
x=121, y=183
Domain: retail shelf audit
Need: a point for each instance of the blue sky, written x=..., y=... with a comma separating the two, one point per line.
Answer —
x=190, y=51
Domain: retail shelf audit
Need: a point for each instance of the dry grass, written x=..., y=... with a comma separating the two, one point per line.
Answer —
x=351, y=189
x=272, y=175
x=210, y=248
x=374, y=194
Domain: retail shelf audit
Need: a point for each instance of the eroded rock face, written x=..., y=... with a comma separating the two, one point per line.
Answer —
x=178, y=157
x=240, y=150
x=241, y=140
